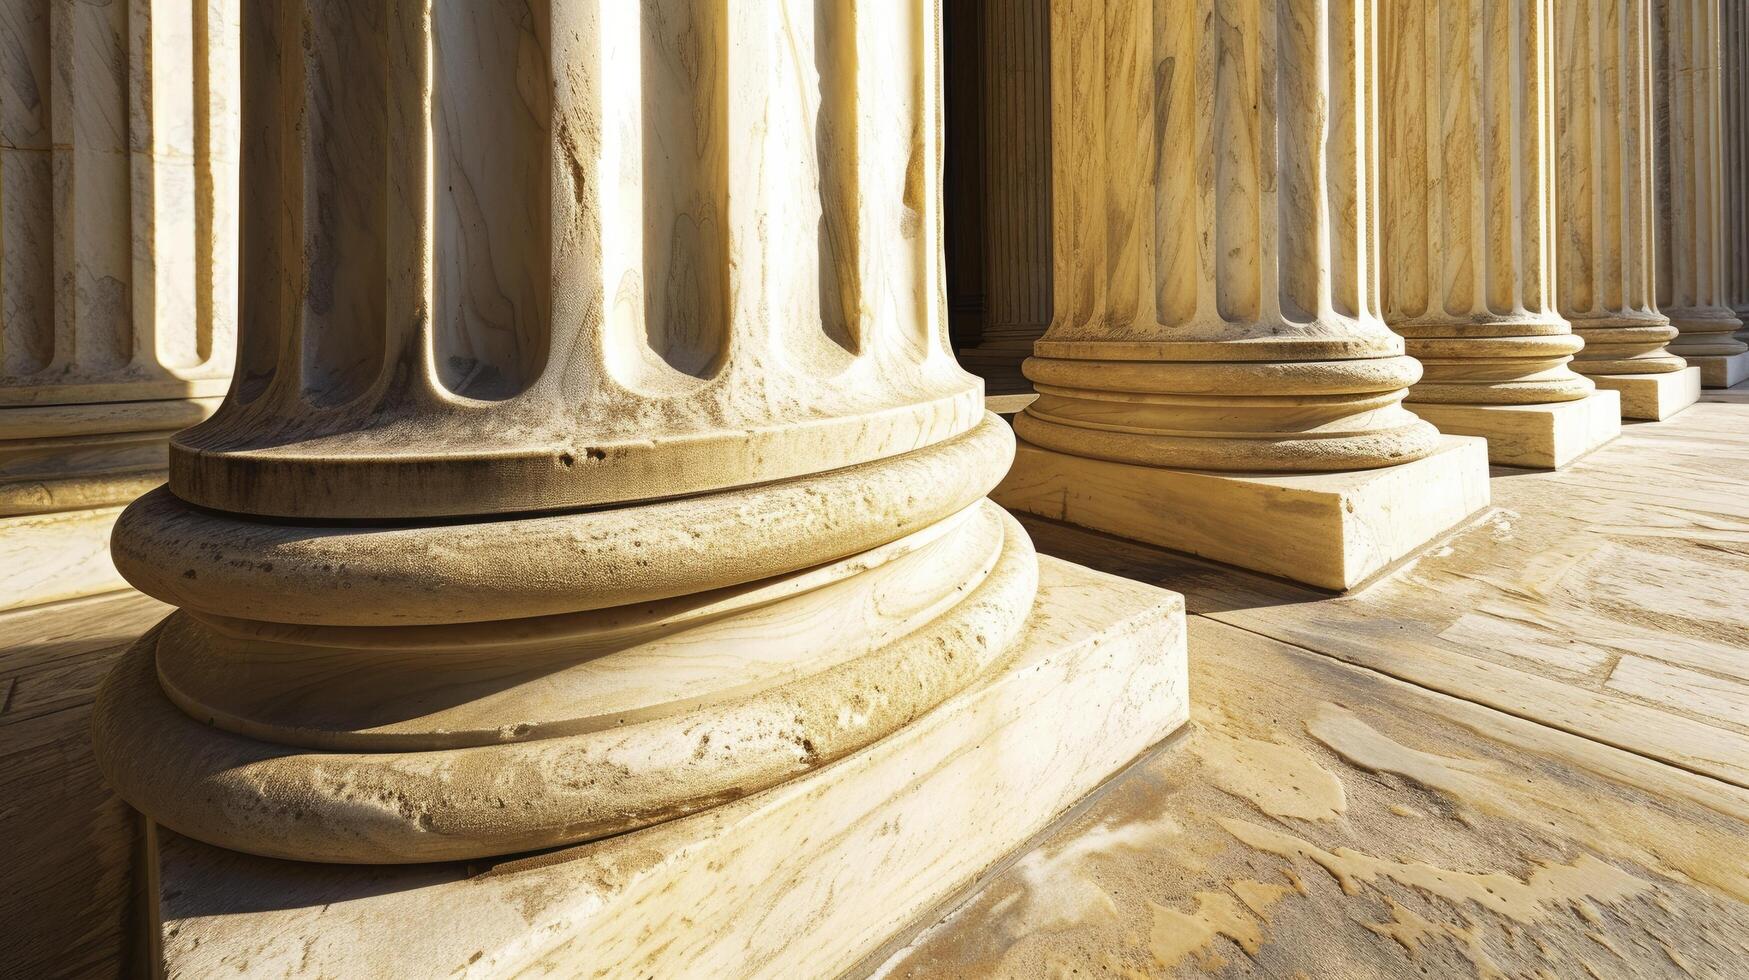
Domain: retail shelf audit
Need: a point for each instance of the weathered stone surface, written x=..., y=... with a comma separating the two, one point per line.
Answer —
x=804, y=879
x=1329, y=821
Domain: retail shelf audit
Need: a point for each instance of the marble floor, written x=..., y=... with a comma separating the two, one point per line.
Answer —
x=1525, y=752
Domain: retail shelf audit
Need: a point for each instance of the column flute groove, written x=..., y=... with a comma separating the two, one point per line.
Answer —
x=1015, y=187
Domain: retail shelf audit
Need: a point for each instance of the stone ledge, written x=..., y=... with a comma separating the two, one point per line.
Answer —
x=1331, y=530
x=1546, y=436
x=56, y=556
x=1653, y=397
x=1719, y=371
x=805, y=879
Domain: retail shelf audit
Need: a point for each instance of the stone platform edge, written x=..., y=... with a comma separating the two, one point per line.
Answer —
x=1332, y=530
x=1653, y=397
x=1720, y=371
x=804, y=879
x=55, y=556
x=1546, y=436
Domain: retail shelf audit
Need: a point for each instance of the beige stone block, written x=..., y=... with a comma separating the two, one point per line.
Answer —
x=805, y=879
x=1546, y=436
x=1327, y=529
x=47, y=557
x=1718, y=371
x=1654, y=397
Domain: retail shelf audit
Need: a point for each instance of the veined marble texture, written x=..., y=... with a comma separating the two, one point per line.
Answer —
x=651, y=248
x=1603, y=211
x=1467, y=229
x=1215, y=250
x=1690, y=211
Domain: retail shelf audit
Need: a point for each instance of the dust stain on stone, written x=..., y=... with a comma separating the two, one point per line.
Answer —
x=1177, y=934
x=1279, y=779
x=1407, y=928
x=1258, y=896
x=1056, y=891
x=1529, y=900
x=1412, y=930
x=1645, y=836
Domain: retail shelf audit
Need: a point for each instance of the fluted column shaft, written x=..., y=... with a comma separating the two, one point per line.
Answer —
x=584, y=285
x=1468, y=276
x=1690, y=210
x=1214, y=293
x=655, y=494
x=1604, y=197
x=1017, y=253
x=118, y=211
x=1734, y=85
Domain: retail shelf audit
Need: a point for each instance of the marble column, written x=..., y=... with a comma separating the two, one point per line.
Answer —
x=1734, y=86
x=596, y=456
x=1016, y=252
x=1690, y=209
x=1468, y=230
x=1215, y=329
x=118, y=214
x=1603, y=208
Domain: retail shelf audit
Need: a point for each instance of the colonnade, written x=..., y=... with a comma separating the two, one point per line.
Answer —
x=597, y=456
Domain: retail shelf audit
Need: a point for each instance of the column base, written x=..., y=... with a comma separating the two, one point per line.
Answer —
x=1544, y=436
x=805, y=879
x=1653, y=397
x=49, y=557
x=1331, y=530
x=1719, y=370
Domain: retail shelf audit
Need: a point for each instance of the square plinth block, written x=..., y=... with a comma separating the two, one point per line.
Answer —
x=1331, y=530
x=1654, y=397
x=56, y=556
x=1546, y=436
x=1721, y=372
x=807, y=879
